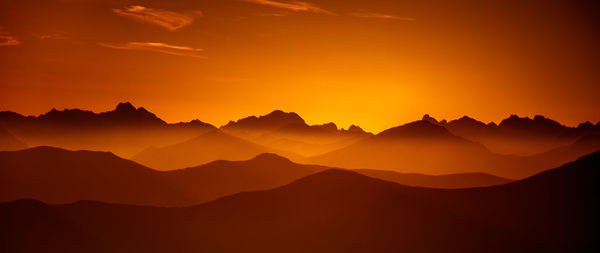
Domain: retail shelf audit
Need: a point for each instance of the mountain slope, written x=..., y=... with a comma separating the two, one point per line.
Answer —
x=518, y=135
x=9, y=142
x=425, y=147
x=332, y=211
x=214, y=145
x=288, y=131
x=60, y=176
x=450, y=181
x=126, y=130
x=418, y=147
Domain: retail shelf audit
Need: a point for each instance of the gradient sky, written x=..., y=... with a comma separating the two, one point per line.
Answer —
x=376, y=63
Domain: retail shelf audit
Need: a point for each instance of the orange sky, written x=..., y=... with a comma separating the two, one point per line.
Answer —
x=376, y=63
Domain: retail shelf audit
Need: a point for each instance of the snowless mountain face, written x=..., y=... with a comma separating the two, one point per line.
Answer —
x=332, y=211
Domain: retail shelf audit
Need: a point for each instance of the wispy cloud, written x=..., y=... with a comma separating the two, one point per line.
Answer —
x=167, y=19
x=7, y=40
x=53, y=36
x=291, y=5
x=158, y=47
x=381, y=16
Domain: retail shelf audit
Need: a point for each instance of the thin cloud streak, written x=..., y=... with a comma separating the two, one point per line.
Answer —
x=291, y=5
x=381, y=16
x=169, y=20
x=7, y=40
x=158, y=47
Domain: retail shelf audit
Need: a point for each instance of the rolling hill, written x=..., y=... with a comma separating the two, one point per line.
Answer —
x=331, y=211
x=214, y=145
x=60, y=176
x=425, y=147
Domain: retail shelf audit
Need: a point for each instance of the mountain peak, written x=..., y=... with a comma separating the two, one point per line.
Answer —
x=125, y=107
x=270, y=158
x=430, y=119
x=538, y=123
x=586, y=125
x=417, y=129
x=275, y=119
x=355, y=129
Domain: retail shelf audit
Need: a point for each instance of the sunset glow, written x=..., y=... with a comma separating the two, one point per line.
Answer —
x=375, y=63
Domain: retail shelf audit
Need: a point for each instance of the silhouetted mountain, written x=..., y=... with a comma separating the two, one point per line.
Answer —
x=288, y=131
x=450, y=181
x=331, y=211
x=271, y=121
x=422, y=129
x=423, y=147
x=419, y=147
x=60, y=176
x=214, y=145
x=516, y=135
x=125, y=130
x=124, y=114
x=9, y=142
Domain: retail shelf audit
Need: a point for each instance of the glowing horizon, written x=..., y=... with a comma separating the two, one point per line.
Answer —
x=375, y=64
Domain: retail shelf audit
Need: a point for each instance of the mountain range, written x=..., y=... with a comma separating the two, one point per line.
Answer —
x=424, y=147
x=126, y=130
x=517, y=135
x=288, y=131
x=56, y=175
x=331, y=211
x=515, y=148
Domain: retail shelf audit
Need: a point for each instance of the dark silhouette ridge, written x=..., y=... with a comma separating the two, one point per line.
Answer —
x=355, y=129
x=59, y=176
x=213, y=145
x=288, y=131
x=423, y=147
x=450, y=181
x=125, y=130
x=517, y=135
x=271, y=121
x=417, y=129
x=332, y=211
x=8, y=142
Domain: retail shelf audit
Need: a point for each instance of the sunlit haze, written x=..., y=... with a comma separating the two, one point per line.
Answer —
x=375, y=63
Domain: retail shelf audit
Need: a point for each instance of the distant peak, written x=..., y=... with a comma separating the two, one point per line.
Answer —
x=273, y=120
x=430, y=119
x=277, y=112
x=282, y=114
x=270, y=158
x=125, y=107
x=586, y=125
x=355, y=129
x=515, y=116
x=329, y=126
x=417, y=129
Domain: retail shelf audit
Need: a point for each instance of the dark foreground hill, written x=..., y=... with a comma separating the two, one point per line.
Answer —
x=331, y=211
x=60, y=176
x=55, y=175
x=449, y=181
